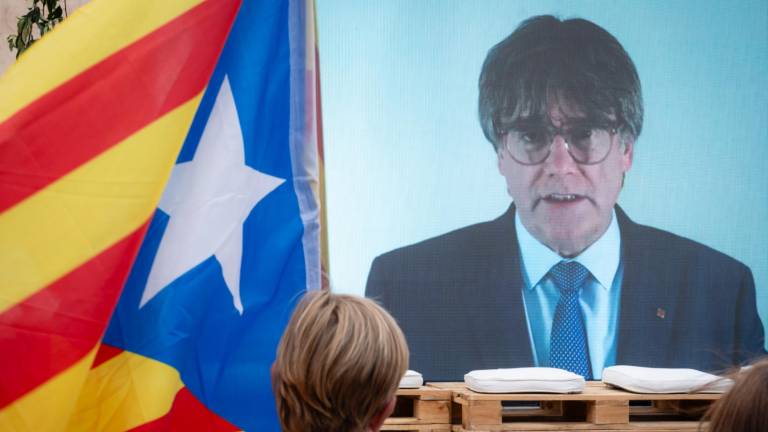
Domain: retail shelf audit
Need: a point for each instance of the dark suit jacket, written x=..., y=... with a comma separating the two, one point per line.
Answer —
x=458, y=300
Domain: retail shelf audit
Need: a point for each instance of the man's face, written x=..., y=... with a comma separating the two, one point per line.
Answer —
x=566, y=205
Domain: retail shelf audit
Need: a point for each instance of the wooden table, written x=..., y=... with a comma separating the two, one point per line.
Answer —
x=424, y=409
x=598, y=407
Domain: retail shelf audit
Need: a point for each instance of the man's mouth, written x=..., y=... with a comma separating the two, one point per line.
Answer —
x=562, y=198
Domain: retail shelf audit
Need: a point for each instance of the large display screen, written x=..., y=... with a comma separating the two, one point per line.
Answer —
x=406, y=160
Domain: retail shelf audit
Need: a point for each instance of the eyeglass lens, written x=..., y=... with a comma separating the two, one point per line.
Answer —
x=530, y=146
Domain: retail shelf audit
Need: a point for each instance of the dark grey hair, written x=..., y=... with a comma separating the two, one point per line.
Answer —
x=573, y=63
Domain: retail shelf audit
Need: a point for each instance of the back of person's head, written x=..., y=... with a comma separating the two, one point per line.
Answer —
x=338, y=365
x=573, y=64
x=744, y=407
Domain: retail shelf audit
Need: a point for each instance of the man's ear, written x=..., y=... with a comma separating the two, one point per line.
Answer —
x=378, y=420
x=628, y=153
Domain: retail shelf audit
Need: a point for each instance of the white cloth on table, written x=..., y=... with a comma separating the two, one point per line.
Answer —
x=411, y=379
x=663, y=380
x=524, y=380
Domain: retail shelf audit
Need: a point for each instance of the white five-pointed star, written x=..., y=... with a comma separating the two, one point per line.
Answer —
x=208, y=199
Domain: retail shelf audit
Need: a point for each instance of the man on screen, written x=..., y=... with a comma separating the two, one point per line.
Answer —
x=564, y=278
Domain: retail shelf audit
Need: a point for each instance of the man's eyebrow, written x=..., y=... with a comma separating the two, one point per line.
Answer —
x=583, y=122
x=587, y=121
x=527, y=123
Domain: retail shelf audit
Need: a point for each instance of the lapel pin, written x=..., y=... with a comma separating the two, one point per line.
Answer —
x=661, y=313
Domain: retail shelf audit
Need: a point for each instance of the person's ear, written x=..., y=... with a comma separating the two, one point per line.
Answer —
x=378, y=420
x=272, y=375
x=628, y=153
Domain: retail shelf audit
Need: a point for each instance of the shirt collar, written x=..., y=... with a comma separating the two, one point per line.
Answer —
x=601, y=258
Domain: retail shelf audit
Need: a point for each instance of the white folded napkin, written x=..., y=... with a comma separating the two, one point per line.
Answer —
x=411, y=379
x=660, y=380
x=524, y=380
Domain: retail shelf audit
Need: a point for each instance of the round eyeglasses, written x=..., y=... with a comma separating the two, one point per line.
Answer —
x=587, y=145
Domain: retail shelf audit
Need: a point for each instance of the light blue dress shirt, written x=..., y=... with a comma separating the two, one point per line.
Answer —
x=600, y=297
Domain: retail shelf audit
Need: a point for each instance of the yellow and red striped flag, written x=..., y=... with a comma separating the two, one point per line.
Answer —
x=92, y=118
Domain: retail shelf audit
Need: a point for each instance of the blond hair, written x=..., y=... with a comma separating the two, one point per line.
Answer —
x=338, y=364
x=744, y=407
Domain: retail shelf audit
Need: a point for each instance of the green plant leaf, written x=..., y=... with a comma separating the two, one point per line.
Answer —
x=26, y=31
x=35, y=15
x=21, y=50
x=57, y=14
x=20, y=24
x=21, y=45
x=43, y=14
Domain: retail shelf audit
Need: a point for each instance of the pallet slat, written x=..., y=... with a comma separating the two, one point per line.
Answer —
x=608, y=411
x=418, y=428
x=663, y=426
x=599, y=407
x=425, y=406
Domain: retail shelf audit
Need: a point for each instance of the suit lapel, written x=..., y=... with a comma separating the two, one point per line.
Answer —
x=507, y=284
x=647, y=313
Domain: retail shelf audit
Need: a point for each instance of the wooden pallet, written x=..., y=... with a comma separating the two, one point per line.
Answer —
x=599, y=407
x=418, y=428
x=661, y=426
x=421, y=409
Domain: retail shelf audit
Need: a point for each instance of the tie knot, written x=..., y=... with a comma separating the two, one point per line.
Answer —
x=569, y=276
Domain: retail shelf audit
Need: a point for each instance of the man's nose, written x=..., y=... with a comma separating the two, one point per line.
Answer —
x=559, y=159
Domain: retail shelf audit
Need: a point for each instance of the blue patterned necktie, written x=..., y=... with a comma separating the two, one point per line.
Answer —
x=568, y=341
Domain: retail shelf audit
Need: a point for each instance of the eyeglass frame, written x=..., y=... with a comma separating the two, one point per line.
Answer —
x=553, y=132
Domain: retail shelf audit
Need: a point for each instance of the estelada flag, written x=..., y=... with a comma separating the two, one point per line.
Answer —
x=92, y=119
x=233, y=245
